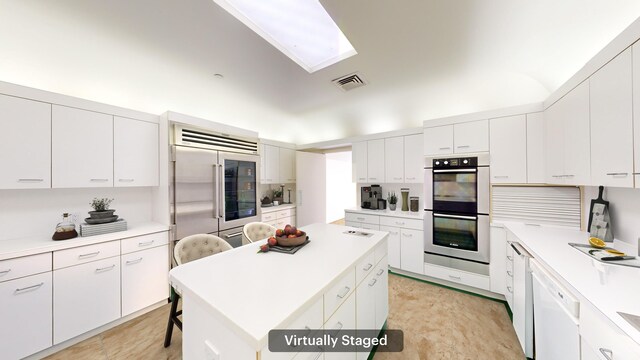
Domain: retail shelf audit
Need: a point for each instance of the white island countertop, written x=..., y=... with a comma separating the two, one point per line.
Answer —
x=397, y=213
x=610, y=288
x=253, y=293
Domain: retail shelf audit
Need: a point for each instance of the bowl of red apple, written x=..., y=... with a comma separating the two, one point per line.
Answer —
x=290, y=236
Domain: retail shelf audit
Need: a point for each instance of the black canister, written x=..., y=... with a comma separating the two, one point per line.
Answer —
x=413, y=203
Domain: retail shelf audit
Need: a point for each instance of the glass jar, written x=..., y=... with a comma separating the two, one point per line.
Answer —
x=65, y=229
x=414, y=200
x=405, y=199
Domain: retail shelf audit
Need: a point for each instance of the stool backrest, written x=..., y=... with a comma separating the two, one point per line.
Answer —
x=197, y=246
x=255, y=231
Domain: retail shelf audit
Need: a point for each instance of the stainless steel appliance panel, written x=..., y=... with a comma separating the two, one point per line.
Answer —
x=484, y=190
x=196, y=208
x=232, y=236
x=463, y=237
x=238, y=189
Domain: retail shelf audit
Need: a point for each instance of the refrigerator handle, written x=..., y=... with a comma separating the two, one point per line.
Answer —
x=221, y=191
x=216, y=181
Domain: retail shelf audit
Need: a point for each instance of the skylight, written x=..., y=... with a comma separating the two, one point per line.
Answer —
x=300, y=29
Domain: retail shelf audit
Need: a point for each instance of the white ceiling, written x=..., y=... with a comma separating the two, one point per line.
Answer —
x=422, y=58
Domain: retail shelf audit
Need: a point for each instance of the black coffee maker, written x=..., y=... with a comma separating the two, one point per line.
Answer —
x=369, y=196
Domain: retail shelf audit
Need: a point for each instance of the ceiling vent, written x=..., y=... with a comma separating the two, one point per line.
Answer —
x=350, y=82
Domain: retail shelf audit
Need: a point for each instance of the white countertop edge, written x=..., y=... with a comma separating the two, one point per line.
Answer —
x=13, y=248
x=269, y=209
x=397, y=213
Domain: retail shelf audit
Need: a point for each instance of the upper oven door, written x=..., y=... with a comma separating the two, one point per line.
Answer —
x=455, y=190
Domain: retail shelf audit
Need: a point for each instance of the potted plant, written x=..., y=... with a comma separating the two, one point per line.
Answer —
x=101, y=208
x=393, y=200
x=277, y=195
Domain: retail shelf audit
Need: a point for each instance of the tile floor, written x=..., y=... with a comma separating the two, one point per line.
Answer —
x=438, y=323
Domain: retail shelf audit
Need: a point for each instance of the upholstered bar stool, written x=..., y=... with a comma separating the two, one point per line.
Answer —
x=188, y=249
x=255, y=231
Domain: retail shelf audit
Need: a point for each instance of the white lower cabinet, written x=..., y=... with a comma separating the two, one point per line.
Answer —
x=602, y=338
x=395, y=246
x=85, y=297
x=144, y=278
x=366, y=306
x=26, y=315
x=412, y=250
x=381, y=288
x=343, y=318
x=498, y=256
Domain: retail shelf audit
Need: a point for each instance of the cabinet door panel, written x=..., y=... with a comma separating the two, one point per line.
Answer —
x=471, y=137
x=82, y=148
x=26, y=316
x=438, y=140
x=287, y=166
x=85, y=297
x=25, y=144
x=509, y=149
x=344, y=318
x=412, y=250
x=394, y=251
x=135, y=153
x=272, y=164
x=554, y=144
x=366, y=306
x=394, y=160
x=382, y=293
x=359, y=160
x=535, y=148
x=612, y=123
x=413, y=158
x=145, y=278
x=375, y=161
x=636, y=112
x=498, y=265
x=577, y=143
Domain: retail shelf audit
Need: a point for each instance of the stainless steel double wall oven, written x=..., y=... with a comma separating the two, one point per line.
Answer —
x=456, y=221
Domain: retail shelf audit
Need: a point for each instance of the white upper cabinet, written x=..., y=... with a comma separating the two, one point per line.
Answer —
x=471, y=137
x=135, y=153
x=554, y=138
x=413, y=158
x=287, y=166
x=25, y=144
x=438, y=140
x=262, y=164
x=359, y=160
x=82, y=148
x=375, y=161
x=271, y=159
x=535, y=148
x=636, y=112
x=612, y=123
x=509, y=149
x=394, y=159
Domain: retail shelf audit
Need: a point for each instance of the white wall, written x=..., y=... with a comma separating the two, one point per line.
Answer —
x=624, y=211
x=26, y=213
x=341, y=191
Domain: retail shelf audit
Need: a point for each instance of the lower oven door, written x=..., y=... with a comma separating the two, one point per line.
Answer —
x=459, y=236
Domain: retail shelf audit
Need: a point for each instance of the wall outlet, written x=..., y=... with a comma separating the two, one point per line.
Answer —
x=210, y=351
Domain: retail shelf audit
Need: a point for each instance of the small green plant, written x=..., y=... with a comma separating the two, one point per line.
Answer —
x=277, y=193
x=392, y=198
x=101, y=204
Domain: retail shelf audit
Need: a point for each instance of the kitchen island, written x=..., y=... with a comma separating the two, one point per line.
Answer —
x=233, y=299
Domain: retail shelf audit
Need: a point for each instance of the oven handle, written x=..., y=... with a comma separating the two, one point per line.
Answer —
x=455, y=216
x=467, y=170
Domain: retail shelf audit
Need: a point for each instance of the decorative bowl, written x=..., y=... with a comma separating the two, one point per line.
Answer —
x=287, y=241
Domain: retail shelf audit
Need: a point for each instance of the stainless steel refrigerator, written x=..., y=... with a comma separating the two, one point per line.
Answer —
x=213, y=191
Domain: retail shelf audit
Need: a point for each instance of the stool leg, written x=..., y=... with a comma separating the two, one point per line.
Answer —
x=172, y=314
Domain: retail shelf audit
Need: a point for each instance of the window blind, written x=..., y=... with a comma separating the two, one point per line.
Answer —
x=544, y=205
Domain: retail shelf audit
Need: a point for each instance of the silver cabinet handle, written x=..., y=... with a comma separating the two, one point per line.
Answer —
x=98, y=180
x=372, y=178
x=126, y=180
x=445, y=148
x=463, y=146
x=618, y=174
x=407, y=235
x=397, y=178
x=229, y=236
x=25, y=289
x=367, y=267
x=106, y=268
x=373, y=281
x=608, y=354
x=638, y=173
x=30, y=180
x=510, y=258
x=344, y=292
x=393, y=232
x=338, y=326
x=380, y=272
x=570, y=176
x=411, y=178
x=510, y=289
x=362, y=179
x=131, y=262
x=147, y=243
x=455, y=277
x=501, y=177
x=399, y=222
x=360, y=218
x=531, y=224
x=509, y=273
x=4, y=272
x=84, y=256
x=556, y=176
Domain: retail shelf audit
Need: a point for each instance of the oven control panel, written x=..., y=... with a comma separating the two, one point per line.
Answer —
x=452, y=163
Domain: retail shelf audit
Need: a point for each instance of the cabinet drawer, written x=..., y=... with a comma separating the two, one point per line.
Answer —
x=460, y=277
x=344, y=318
x=85, y=254
x=311, y=318
x=281, y=223
x=268, y=217
x=604, y=336
x=381, y=250
x=364, y=267
x=145, y=275
x=370, y=226
x=144, y=242
x=24, y=266
x=283, y=213
x=401, y=222
x=363, y=218
x=353, y=224
x=339, y=292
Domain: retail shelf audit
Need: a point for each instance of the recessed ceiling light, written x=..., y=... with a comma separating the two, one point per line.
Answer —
x=301, y=29
x=218, y=76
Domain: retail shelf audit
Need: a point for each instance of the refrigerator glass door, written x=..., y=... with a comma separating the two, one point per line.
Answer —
x=240, y=192
x=195, y=192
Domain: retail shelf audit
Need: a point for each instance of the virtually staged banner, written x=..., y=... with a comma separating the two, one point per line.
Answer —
x=343, y=340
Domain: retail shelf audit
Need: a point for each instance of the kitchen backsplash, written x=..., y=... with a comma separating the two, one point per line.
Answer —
x=624, y=210
x=414, y=190
x=267, y=190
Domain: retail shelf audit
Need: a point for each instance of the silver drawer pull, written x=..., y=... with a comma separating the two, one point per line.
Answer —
x=618, y=174
x=455, y=277
x=380, y=272
x=344, y=292
x=106, y=268
x=501, y=177
x=98, y=180
x=360, y=218
x=510, y=258
x=411, y=178
x=146, y=243
x=608, y=354
x=229, y=236
x=4, y=272
x=556, y=176
x=362, y=179
x=84, y=256
x=397, y=178
x=638, y=173
x=373, y=282
x=30, y=180
x=338, y=326
x=444, y=148
x=509, y=273
x=407, y=235
x=25, y=289
x=463, y=146
x=569, y=176
x=367, y=267
x=510, y=289
x=130, y=262
x=399, y=222
x=530, y=224
x=126, y=180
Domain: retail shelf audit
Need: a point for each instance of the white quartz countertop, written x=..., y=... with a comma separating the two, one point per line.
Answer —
x=13, y=248
x=253, y=293
x=397, y=213
x=610, y=288
x=277, y=208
